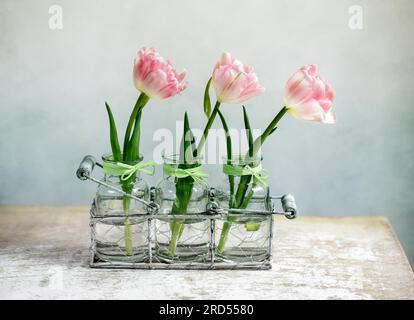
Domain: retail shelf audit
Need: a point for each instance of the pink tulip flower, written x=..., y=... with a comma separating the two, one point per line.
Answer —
x=155, y=76
x=234, y=82
x=309, y=97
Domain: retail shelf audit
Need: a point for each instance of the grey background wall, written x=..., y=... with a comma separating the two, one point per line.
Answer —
x=53, y=84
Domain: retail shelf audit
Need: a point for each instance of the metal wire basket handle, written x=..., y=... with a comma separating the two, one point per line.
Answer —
x=84, y=172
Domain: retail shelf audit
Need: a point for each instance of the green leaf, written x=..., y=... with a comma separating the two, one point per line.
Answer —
x=240, y=197
x=139, y=105
x=228, y=137
x=183, y=186
x=113, y=135
x=187, y=146
x=229, y=156
x=133, y=145
x=188, y=139
x=248, y=131
x=273, y=130
x=207, y=102
x=193, y=144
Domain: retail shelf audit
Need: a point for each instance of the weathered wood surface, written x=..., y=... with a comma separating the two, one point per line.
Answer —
x=44, y=254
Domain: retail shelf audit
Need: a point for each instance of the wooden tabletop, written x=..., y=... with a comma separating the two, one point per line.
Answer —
x=44, y=254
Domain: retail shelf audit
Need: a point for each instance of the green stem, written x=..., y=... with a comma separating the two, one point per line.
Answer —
x=241, y=190
x=223, y=236
x=184, y=188
x=203, y=139
x=127, y=227
x=261, y=139
x=227, y=225
x=133, y=148
x=177, y=228
x=131, y=153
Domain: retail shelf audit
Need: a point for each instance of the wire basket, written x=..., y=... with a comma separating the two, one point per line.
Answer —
x=150, y=231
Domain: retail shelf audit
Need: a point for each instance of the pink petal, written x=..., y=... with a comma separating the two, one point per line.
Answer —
x=329, y=118
x=310, y=111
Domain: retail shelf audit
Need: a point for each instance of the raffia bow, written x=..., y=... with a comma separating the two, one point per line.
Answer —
x=259, y=174
x=125, y=171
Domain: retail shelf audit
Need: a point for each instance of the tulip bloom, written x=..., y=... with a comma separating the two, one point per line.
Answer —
x=234, y=82
x=309, y=97
x=155, y=76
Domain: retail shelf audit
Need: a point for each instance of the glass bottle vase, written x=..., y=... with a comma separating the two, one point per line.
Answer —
x=120, y=228
x=180, y=236
x=243, y=236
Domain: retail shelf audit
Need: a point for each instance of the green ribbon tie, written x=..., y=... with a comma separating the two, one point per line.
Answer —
x=196, y=173
x=259, y=174
x=126, y=171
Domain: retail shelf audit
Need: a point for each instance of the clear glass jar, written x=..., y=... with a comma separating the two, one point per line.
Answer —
x=181, y=238
x=120, y=234
x=243, y=237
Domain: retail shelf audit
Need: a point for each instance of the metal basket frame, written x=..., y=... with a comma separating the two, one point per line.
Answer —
x=213, y=213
